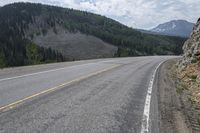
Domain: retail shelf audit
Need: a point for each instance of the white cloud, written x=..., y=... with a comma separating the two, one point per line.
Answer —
x=135, y=13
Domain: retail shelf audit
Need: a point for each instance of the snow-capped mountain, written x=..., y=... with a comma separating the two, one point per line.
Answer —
x=174, y=28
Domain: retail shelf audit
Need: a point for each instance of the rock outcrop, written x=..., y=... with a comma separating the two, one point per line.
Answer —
x=189, y=65
x=191, y=48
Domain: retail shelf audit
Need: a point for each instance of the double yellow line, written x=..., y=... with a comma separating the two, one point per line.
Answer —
x=14, y=104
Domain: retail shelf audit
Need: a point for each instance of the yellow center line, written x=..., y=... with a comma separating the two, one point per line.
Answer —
x=14, y=104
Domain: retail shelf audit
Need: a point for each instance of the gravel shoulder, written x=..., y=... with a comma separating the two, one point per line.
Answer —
x=173, y=118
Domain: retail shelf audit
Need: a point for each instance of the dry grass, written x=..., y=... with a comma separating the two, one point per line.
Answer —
x=190, y=77
x=198, y=119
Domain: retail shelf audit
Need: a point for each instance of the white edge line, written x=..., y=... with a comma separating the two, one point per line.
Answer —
x=53, y=70
x=146, y=113
x=31, y=74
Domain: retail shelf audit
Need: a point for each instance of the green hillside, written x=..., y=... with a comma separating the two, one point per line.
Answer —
x=17, y=48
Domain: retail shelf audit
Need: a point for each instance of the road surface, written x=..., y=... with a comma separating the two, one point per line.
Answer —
x=94, y=96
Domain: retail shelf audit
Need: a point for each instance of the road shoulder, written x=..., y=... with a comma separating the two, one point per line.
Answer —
x=170, y=108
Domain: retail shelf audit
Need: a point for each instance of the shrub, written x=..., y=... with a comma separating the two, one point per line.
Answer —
x=194, y=77
x=194, y=61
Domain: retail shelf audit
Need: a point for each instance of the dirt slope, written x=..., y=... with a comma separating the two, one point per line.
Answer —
x=74, y=45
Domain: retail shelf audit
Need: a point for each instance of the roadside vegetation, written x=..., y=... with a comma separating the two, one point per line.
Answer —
x=194, y=77
x=198, y=119
x=188, y=86
x=180, y=87
x=26, y=53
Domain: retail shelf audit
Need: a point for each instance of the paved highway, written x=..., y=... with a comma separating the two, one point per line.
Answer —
x=94, y=96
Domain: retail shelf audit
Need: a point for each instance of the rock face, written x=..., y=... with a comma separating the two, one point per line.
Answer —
x=189, y=65
x=191, y=48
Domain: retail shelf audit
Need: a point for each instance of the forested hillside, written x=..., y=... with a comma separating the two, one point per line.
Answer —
x=20, y=23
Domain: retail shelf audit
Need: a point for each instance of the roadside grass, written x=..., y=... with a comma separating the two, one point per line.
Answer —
x=194, y=61
x=198, y=119
x=180, y=88
x=193, y=77
x=191, y=101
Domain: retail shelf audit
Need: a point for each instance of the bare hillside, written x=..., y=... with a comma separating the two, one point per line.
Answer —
x=75, y=45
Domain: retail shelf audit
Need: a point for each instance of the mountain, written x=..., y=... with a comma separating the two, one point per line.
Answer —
x=174, y=28
x=36, y=33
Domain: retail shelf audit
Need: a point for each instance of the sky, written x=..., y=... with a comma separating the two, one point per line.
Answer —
x=141, y=14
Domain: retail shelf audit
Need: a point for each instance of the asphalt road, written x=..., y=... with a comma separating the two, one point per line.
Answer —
x=94, y=96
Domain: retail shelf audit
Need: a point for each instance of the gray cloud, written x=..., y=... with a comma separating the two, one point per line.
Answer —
x=134, y=13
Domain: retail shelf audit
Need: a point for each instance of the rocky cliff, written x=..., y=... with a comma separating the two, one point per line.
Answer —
x=191, y=47
x=189, y=65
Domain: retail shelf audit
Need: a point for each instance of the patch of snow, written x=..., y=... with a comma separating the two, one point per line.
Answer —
x=173, y=25
x=159, y=30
